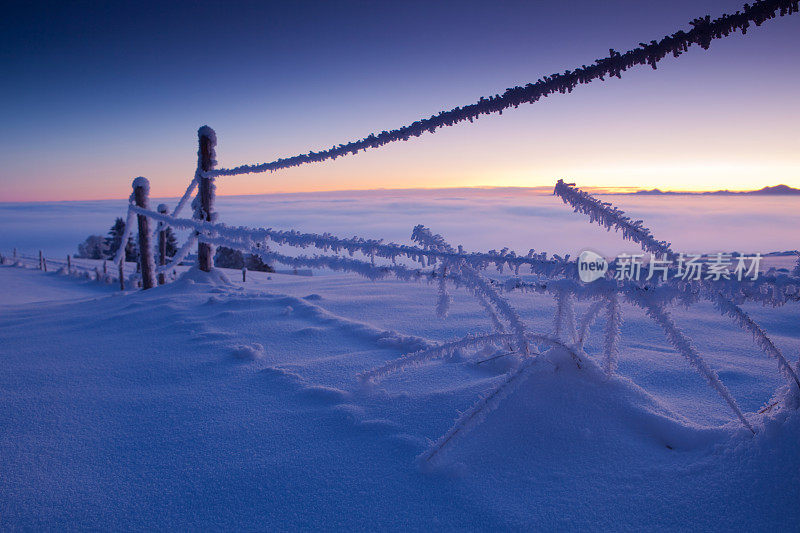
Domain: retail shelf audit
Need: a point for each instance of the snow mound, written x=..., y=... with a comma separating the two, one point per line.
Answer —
x=562, y=411
x=214, y=278
x=324, y=394
x=248, y=351
x=302, y=308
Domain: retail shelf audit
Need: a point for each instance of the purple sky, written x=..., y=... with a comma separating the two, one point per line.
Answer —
x=96, y=94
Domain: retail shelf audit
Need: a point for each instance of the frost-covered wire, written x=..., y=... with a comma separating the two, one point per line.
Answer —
x=185, y=198
x=769, y=289
x=538, y=264
x=775, y=290
x=120, y=255
x=610, y=217
x=564, y=319
x=487, y=307
x=180, y=255
x=728, y=308
x=437, y=352
x=684, y=346
x=477, y=413
x=703, y=31
x=443, y=300
x=474, y=282
x=589, y=316
x=612, y=334
x=326, y=262
x=443, y=350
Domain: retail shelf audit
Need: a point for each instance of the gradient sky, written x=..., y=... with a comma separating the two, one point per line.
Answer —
x=94, y=94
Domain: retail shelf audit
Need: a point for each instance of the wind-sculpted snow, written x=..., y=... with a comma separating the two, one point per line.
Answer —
x=274, y=399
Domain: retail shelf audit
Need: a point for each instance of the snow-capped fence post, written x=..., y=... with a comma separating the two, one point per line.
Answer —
x=204, y=208
x=141, y=191
x=40, y=261
x=121, y=277
x=162, y=245
x=105, y=267
x=244, y=274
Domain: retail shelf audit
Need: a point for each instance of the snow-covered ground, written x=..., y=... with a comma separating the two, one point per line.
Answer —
x=207, y=405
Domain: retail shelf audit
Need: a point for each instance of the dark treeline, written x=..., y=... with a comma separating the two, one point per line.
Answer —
x=230, y=258
x=99, y=247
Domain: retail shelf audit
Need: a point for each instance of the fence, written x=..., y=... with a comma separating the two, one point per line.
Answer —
x=433, y=259
x=103, y=271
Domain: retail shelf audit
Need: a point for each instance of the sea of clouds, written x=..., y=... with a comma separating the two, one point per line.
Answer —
x=479, y=219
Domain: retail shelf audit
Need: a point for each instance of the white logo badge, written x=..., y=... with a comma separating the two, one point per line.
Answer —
x=591, y=266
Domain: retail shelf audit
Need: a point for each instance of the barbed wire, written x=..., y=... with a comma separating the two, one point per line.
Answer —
x=609, y=216
x=703, y=31
x=549, y=274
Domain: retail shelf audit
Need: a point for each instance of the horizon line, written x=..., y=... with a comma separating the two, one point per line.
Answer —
x=592, y=189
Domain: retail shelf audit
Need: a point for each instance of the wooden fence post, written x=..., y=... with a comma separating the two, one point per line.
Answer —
x=40, y=260
x=69, y=264
x=15, y=255
x=141, y=192
x=162, y=246
x=244, y=274
x=121, y=275
x=105, y=267
x=206, y=160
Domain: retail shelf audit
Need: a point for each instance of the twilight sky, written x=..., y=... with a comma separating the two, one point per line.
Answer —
x=94, y=94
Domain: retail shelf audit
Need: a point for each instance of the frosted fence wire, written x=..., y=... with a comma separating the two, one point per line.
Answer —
x=773, y=290
x=610, y=217
x=367, y=247
x=703, y=31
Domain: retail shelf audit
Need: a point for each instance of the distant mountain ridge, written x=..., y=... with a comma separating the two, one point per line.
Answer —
x=777, y=190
